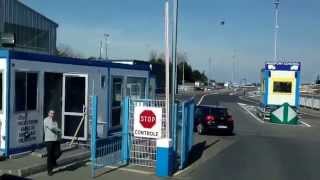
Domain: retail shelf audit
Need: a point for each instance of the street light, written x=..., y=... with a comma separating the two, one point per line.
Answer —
x=167, y=61
x=106, y=36
x=276, y=28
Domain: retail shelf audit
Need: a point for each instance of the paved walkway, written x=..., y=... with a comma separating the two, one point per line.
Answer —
x=30, y=164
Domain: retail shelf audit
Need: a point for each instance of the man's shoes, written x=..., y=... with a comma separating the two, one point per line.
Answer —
x=50, y=173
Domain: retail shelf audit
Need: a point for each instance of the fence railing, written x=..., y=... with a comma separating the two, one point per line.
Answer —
x=183, y=131
x=124, y=147
x=104, y=151
x=310, y=102
x=142, y=151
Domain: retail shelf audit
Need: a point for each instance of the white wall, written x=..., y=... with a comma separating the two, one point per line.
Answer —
x=94, y=88
x=281, y=98
x=3, y=69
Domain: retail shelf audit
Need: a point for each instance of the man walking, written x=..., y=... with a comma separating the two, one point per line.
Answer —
x=51, y=138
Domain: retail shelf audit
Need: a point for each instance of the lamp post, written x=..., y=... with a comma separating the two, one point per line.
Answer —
x=209, y=69
x=276, y=28
x=106, y=36
x=100, y=50
x=167, y=61
x=174, y=54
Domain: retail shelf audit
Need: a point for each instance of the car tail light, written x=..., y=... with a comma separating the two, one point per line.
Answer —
x=210, y=118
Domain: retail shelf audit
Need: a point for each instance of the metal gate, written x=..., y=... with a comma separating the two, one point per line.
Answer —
x=182, y=132
x=142, y=151
x=125, y=148
x=104, y=151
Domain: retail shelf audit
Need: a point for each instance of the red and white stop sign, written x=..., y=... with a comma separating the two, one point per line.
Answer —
x=147, y=119
x=147, y=122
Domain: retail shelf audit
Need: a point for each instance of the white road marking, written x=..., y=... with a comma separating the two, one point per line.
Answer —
x=254, y=116
x=306, y=124
x=257, y=118
x=244, y=99
x=200, y=101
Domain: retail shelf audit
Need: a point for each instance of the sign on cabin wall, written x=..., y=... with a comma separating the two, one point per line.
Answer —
x=1, y=133
x=26, y=131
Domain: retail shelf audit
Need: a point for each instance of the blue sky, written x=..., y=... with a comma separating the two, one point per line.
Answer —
x=136, y=29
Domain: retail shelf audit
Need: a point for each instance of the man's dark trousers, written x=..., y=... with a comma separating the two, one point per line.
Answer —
x=53, y=150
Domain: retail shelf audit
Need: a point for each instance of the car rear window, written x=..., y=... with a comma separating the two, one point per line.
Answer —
x=203, y=111
x=219, y=111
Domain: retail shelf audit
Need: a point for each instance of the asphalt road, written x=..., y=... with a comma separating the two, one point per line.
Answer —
x=261, y=150
x=255, y=151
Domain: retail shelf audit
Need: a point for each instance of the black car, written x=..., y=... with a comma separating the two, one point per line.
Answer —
x=213, y=119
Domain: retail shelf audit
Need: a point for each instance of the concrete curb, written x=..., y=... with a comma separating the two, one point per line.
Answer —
x=19, y=155
x=44, y=154
x=43, y=166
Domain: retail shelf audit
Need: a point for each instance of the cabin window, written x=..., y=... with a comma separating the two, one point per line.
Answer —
x=117, y=84
x=103, y=81
x=282, y=87
x=136, y=87
x=1, y=91
x=26, y=87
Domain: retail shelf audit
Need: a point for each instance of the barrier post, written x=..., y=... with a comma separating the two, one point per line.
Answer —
x=164, y=164
x=94, y=112
x=125, y=129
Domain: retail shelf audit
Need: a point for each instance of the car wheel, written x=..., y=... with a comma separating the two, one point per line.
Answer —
x=200, y=129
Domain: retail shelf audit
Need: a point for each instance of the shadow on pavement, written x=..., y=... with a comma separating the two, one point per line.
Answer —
x=109, y=170
x=221, y=133
x=198, y=149
x=71, y=167
x=12, y=177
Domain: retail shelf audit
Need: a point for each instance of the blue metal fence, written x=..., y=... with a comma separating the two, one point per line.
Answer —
x=182, y=125
x=111, y=150
x=121, y=149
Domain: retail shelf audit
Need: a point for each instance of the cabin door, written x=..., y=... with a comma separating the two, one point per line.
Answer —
x=74, y=106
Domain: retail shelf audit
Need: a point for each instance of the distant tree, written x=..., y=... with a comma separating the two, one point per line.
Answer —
x=159, y=69
x=318, y=79
x=196, y=75
x=153, y=56
x=92, y=58
x=64, y=50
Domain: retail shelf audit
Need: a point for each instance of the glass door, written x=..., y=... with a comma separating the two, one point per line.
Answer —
x=117, y=94
x=74, y=103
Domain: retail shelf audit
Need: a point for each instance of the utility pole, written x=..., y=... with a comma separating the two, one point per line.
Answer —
x=106, y=36
x=174, y=46
x=174, y=55
x=167, y=60
x=183, y=62
x=233, y=66
x=100, y=50
x=276, y=28
x=209, y=68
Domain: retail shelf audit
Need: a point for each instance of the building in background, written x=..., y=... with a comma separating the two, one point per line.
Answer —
x=33, y=31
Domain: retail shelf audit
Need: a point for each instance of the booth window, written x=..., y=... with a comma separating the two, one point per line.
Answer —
x=117, y=83
x=1, y=91
x=282, y=87
x=103, y=81
x=26, y=86
x=136, y=87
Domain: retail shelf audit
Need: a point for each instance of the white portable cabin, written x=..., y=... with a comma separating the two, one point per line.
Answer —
x=33, y=84
x=280, y=83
